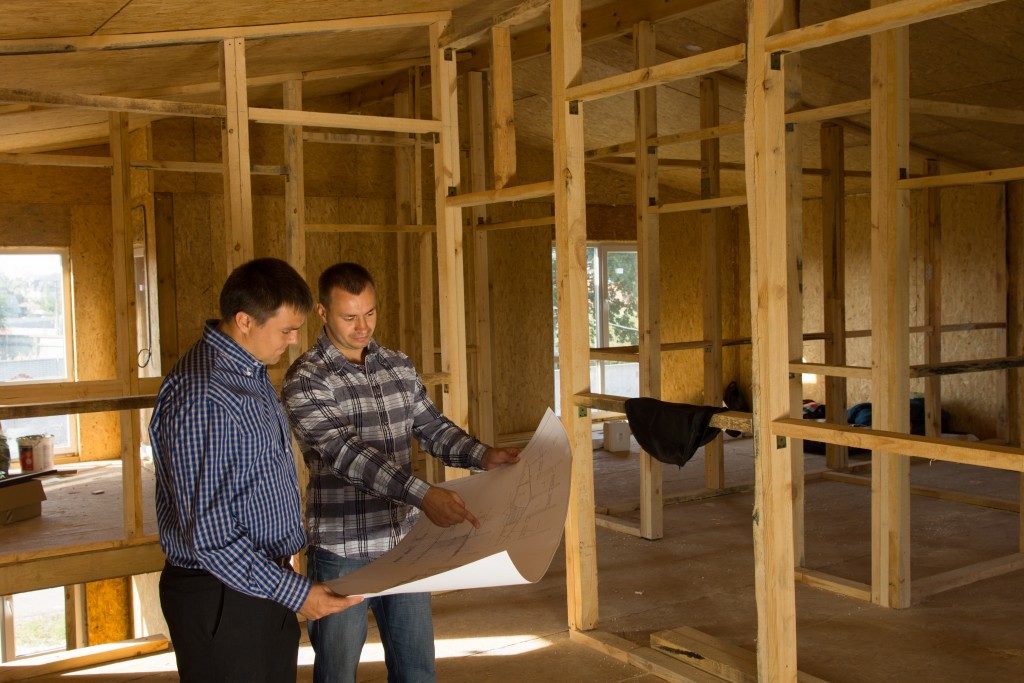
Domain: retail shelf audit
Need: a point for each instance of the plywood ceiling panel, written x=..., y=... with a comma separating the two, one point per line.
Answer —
x=38, y=19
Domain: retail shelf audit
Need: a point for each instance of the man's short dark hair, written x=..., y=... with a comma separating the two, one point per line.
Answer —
x=260, y=287
x=351, y=277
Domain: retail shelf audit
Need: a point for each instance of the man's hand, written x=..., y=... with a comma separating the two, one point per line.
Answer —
x=322, y=601
x=445, y=508
x=496, y=457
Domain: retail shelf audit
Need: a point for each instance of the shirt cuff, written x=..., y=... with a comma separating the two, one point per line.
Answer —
x=292, y=590
x=476, y=455
x=416, y=492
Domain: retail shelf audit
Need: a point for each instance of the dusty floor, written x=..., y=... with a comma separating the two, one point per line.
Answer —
x=701, y=575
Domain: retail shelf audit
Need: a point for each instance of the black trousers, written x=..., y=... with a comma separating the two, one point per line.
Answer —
x=220, y=634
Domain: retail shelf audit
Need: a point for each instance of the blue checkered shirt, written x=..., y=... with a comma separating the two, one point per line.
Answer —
x=354, y=424
x=227, y=499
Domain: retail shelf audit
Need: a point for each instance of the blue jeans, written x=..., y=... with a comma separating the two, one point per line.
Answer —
x=404, y=622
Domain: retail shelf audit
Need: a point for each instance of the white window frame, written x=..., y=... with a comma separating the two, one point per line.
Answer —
x=69, y=336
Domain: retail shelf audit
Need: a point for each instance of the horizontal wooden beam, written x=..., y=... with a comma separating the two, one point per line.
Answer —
x=616, y=524
x=1000, y=175
x=867, y=22
x=544, y=221
x=25, y=574
x=512, y=193
x=201, y=167
x=678, y=69
x=966, y=366
x=829, y=112
x=296, y=117
x=848, y=371
x=67, y=160
x=700, y=204
x=431, y=379
x=973, y=112
x=930, y=492
x=330, y=138
x=834, y=584
x=112, y=103
x=354, y=227
x=644, y=658
x=949, y=450
x=131, y=41
x=672, y=139
x=729, y=419
x=43, y=392
x=52, y=663
x=76, y=407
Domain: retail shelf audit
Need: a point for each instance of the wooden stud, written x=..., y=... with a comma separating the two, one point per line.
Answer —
x=163, y=219
x=404, y=215
x=503, y=119
x=543, y=222
x=451, y=289
x=111, y=103
x=833, y=259
x=333, y=138
x=962, y=576
x=573, y=326
x=483, y=366
x=765, y=149
x=202, y=167
x=794, y=260
x=890, y=306
x=125, y=321
x=710, y=227
x=999, y=175
x=363, y=227
x=1015, y=319
x=506, y=194
x=76, y=628
x=708, y=204
x=648, y=271
x=235, y=138
x=933, y=306
x=66, y=160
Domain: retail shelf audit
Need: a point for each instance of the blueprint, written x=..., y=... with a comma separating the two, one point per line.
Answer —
x=521, y=509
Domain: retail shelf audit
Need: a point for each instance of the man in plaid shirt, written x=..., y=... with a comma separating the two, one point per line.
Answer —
x=354, y=407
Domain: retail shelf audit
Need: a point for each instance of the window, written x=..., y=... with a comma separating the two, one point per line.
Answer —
x=614, y=316
x=35, y=335
x=33, y=623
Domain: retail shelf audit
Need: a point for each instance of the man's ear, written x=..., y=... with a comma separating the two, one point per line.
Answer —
x=322, y=312
x=244, y=322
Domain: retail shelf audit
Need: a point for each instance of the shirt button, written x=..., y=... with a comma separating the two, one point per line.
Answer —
x=248, y=373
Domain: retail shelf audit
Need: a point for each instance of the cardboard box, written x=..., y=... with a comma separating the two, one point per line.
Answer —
x=21, y=501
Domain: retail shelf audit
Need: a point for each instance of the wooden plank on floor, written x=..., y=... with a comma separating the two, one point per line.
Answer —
x=962, y=576
x=93, y=655
x=643, y=658
x=835, y=584
x=929, y=492
x=620, y=525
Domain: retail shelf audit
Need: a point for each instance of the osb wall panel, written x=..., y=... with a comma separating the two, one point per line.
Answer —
x=973, y=290
x=109, y=606
x=35, y=225
x=54, y=185
x=94, y=322
x=197, y=290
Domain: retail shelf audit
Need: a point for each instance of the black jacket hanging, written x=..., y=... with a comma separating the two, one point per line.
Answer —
x=670, y=432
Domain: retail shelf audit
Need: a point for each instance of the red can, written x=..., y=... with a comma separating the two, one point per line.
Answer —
x=26, y=456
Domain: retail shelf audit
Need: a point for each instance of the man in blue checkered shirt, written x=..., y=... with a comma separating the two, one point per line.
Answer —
x=354, y=407
x=227, y=497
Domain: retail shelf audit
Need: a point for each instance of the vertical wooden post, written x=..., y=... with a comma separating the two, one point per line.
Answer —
x=125, y=294
x=890, y=305
x=833, y=259
x=710, y=226
x=451, y=290
x=503, y=120
x=295, y=198
x=648, y=271
x=1015, y=317
x=933, y=306
x=484, y=427
x=573, y=326
x=405, y=200
x=795, y=259
x=766, y=179
x=235, y=144
x=76, y=628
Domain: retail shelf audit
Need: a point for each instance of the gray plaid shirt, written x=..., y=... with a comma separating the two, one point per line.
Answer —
x=354, y=424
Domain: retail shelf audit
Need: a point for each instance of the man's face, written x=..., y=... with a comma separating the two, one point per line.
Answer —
x=350, y=320
x=268, y=342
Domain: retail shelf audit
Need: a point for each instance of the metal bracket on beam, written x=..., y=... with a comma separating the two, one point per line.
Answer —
x=452, y=190
x=574, y=107
x=790, y=126
x=449, y=54
x=776, y=60
x=780, y=442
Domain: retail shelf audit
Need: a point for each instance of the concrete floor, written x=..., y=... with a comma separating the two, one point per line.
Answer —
x=701, y=575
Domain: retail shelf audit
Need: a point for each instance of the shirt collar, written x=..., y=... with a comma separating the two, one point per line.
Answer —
x=331, y=352
x=229, y=349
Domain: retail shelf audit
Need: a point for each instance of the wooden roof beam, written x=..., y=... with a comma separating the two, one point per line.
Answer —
x=111, y=103
x=131, y=41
